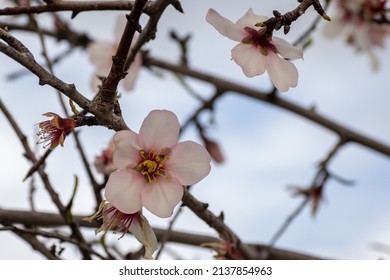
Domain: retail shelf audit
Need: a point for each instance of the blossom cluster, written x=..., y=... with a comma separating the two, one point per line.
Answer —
x=360, y=22
x=257, y=51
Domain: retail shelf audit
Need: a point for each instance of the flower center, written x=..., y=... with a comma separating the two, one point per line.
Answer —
x=152, y=164
x=259, y=39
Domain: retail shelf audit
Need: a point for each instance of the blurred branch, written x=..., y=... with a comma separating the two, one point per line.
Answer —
x=65, y=34
x=35, y=244
x=200, y=209
x=44, y=219
x=227, y=86
x=53, y=235
x=75, y=7
x=314, y=193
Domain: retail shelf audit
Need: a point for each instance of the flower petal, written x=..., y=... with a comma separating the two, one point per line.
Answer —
x=123, y=190
x=161, y=198
x=160, y=129
x=225, y=26
x=120, y=25
x=334, y=28
x=144, y=233
x=189, y=163
x=100, y=54
x=126, y=154
x=287, y=50
x=129, y=80
x=249, y=58
x=283, y=73
x=250, y=19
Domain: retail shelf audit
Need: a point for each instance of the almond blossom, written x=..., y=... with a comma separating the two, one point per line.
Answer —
x=357, y=21
x=54, y=131
x=153, y=166
x=257, y=51
x=135, y=223
x=101, y=52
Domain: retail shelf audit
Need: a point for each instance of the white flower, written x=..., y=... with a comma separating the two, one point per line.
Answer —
x=258, y=51
x=100, y=54
x=153, y=166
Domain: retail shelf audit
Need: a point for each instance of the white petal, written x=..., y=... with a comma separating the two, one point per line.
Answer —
x=120, y=25
x=100, y=54
x=225, y=26
x=123, y=190
x=160, y=129
x=249, y=58
x=127, y=149
x=129, y=80
x=162, y=198
x=189, y=163
x=283, y=73
x=334, y=28
x=250, y=19
x=144, y=233
x=287, y=50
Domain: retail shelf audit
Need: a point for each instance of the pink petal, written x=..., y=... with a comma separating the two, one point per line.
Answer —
x=189, y=163
x=250, y=19
x=123, y=190
x=225, y=26
x=129, y=80
x=162, y=198
x=249, y=58
x=282, y=72
x=126, y=153
x=287, y=50
x=100, y=54
x=160, y=129
x=120, y=25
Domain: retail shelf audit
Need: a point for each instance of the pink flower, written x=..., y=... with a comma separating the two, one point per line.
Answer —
x=153, y=166
x=100, y=54
x=257, y=51
x=135, y=223
x=104, y=163
x=53, y=132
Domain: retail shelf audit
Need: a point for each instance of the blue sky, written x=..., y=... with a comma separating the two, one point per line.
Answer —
x=267, y=148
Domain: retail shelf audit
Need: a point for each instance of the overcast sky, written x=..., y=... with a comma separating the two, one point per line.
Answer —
x=267, y=148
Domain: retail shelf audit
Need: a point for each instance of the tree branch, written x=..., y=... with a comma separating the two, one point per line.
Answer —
x=75, y=7
x=44, y=219
x=227, y=86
